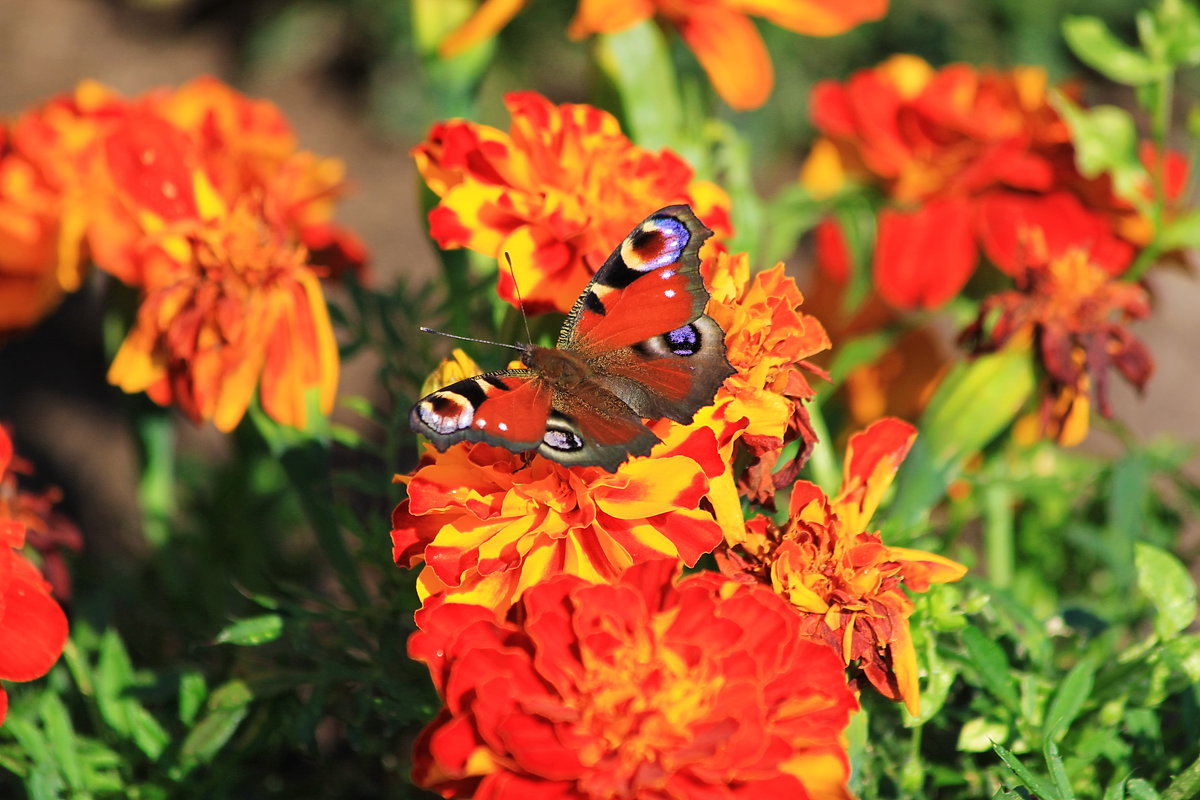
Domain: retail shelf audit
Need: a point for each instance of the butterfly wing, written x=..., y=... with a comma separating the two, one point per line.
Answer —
x=640, y=322
x=518, y=410
x=509, y=408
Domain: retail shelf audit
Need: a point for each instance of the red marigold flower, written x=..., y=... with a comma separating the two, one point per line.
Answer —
x=847, y=584
x=968, y=158
x=769, y=340
x=1075, y=312
x=33, y=628
x=719, y=32
x=638, y=689
x=556, y=192
x=229, y=309
x=489, y=525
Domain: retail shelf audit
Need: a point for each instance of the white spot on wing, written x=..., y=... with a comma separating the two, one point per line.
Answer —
x=502, y=426
x=479, y=423
x=669, y=293
x=667, y=273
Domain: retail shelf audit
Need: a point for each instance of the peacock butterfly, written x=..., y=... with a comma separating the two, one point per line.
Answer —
x=636, y=345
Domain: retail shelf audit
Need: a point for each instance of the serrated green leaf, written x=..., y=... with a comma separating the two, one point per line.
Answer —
x=1035, y=784
x=252, y=630
x=1139, y=789
x=1095, y=45
x=1106, y=142
x=991, y=662
x=1165, y=581
x=1069, y=698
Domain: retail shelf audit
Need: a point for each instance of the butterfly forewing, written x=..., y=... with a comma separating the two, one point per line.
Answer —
x=508, y=408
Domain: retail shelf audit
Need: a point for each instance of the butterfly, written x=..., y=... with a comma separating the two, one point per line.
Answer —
x=636, y=345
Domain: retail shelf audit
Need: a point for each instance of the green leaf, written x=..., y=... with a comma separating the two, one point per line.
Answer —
x=980, y=734
x=192, y=692
x=638, y=62
x=992, y=664
x=1165, y=581
x=1139, y=789
x=1106, y=141
x=974, y=403
x=1035, y=784
x=1090, y=39
x=228, y=706
x=1068, y=701
x=114, y=674
x=252, y=630
x=1058, y=773
x=61, y=736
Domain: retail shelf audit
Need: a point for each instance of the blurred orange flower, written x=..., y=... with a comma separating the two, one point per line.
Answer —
x=33, y=628
x=557, y=192
x=1075, y=313
x=490, y=523
x=967, y=157
x=638, y=689
x=232, y=311
x=769, y=340
x=847, y=584
x=719, y=32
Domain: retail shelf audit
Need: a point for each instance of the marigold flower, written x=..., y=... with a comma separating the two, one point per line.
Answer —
x=639, y=689
x=1075, y=313
x=968, y=157
x=845, y=582
x=719, y=32
x=230, y=309
x=769, y=341
x=557, y=192
x=33, y=628
x=490, y=523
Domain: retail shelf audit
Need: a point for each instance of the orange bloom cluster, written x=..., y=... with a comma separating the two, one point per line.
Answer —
x=719, y=32
x=639, y=689
x=199, y=197
x=846, y=583
x=489, y=523
x=1075, y=313
x=768, y=339
x=555, y=192
x=969, y=159
x=33, y=628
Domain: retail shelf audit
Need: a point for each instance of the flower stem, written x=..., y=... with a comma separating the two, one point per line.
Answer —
x=156, y=486
x=824, y=466
x=998, y=533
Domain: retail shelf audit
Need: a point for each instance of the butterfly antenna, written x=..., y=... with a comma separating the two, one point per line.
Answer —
x=517, y=289
x=469, y=339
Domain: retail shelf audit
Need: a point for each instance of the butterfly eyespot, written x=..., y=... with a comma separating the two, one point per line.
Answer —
x=683, y=341
x=658, y=243
x=446, y=412
x=563, y=441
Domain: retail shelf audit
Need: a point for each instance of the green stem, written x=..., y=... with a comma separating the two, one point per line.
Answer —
x=998, y=533
x=1160, y=129
x=156, y=485
x=824, y=465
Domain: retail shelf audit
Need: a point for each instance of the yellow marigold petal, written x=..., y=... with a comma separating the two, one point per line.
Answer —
x=815, y=17
x=824, y=775
x=933, y=568
x=823, y=173
x=608, y=16
x=904, y=667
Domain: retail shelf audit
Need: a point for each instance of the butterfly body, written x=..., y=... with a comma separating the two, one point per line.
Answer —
x=637, y=345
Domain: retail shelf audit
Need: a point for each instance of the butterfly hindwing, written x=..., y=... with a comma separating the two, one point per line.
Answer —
x=670, y=375
x=508, y=408
x=591, y=427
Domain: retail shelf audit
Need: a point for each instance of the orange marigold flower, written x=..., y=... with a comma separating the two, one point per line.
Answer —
x=230, y=308
x=33, y=628
x=847, y=584
x=556, y=192
x=769, y=340
x=1075, y=313
x=968, y=157
x=490, y=523
x=719, y=32
x=30, y=283
x=638, y=689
